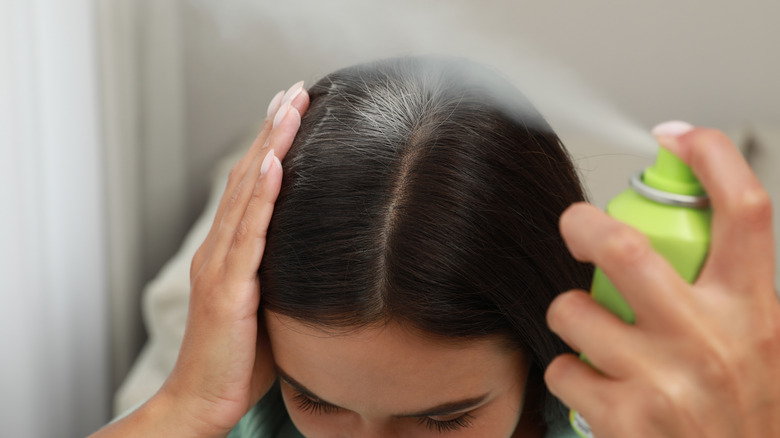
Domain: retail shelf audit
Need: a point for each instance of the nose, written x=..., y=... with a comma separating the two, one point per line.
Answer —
x=371, y=433
x=363, y=428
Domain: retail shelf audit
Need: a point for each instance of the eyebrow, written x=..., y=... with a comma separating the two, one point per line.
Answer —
x=447, y=408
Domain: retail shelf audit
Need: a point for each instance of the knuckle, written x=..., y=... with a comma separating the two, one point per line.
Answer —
x=767, y=341
x=625, y=418
x=771, y=336
x=716, y=369
x=208, y=289
x=704, y=144
x=611, y=405
x=242, y=232
x=624, y=245
x=754, y=207
x=197, y=256
x=710, y=138
x=602, y=413
x=200, y=283
x=235, y=175
x=195, y=264
x=664, y=401
x=705, y=140
x=234, y=197
x=257, y=196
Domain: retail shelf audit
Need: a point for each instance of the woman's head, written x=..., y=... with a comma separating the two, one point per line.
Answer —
x=421, y=197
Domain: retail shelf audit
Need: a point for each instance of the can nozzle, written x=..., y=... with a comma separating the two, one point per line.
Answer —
x=671, y=174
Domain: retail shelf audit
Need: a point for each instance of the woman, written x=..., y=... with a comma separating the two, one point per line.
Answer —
x=410, y=263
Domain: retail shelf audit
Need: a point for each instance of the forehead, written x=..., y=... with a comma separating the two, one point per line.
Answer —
x=389, y=367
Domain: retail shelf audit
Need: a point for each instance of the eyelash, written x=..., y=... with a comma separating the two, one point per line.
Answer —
x=461, y=422
x=307, y=404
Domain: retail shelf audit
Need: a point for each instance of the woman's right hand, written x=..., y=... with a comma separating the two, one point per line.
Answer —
x=225, y=364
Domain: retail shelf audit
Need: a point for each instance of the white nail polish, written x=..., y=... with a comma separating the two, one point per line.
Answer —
x=281, y=114
x=674, y=128
x=269, y=158
x=273, y=107
x=293, y=92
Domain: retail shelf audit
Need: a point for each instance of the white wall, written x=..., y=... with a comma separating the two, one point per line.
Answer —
x=53, y=320
x=713, y=63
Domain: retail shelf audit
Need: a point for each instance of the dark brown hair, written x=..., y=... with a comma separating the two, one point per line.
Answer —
x=424, y=191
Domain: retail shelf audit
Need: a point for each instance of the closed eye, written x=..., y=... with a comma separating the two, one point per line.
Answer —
x=308, y=404
x=440, y=426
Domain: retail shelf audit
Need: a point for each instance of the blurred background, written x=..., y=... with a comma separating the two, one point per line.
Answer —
x=115, y=115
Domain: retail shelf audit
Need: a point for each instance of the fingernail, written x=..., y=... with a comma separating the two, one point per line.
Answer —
x=293, y=92
x=281, y=114
x=273, y=107
x=673, y=128
x=269, y=158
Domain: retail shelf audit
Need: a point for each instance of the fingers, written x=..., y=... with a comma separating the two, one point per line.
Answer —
x=300, y=101
x=280, y=140
x=591, y=329
x=644, y=278
x=249, y=240
x=742, y=221
x=579, y=386
x=284, y=130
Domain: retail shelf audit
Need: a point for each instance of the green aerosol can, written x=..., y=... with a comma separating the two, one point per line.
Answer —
x=668, y=204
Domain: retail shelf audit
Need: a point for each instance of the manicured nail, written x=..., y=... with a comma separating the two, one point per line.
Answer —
x=269, y=158
x=293, y=92
x=276, y=102
x=281, y=114
x=674, y=128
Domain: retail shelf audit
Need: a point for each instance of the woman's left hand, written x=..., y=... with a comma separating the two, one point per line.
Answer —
x=702, y=360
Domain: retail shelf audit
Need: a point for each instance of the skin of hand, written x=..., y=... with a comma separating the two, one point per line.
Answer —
x=702, y=359
x=225, y=365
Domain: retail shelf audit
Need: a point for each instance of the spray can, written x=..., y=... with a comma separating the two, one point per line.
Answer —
x=667, y=203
